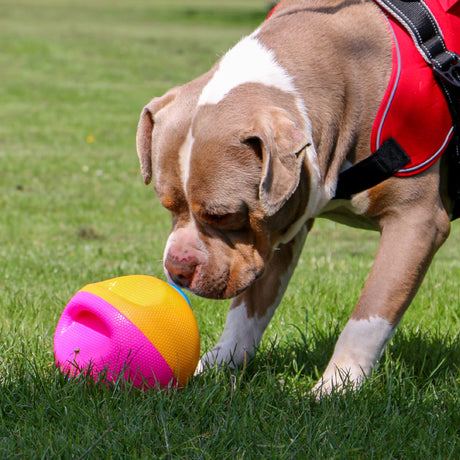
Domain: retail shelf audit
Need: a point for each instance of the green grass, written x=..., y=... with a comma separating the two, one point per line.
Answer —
x=74, y=212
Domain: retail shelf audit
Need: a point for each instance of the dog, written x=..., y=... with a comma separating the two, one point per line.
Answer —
x=246, y=156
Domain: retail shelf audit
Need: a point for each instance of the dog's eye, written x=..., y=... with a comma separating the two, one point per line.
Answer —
x=230, y=221
x=216, y=218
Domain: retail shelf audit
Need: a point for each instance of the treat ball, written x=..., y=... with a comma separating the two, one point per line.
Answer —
x=138, y=327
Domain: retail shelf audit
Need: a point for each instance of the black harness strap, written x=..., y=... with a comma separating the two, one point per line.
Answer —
x=374, y=169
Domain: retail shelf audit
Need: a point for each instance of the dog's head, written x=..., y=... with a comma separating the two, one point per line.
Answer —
x=233, y=176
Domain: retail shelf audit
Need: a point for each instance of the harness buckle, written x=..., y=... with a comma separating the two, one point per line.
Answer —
x=450, y=73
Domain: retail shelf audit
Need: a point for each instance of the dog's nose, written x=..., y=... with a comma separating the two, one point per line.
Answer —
x=181, y=273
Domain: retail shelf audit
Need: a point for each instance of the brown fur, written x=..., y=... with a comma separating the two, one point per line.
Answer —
x=249, y=177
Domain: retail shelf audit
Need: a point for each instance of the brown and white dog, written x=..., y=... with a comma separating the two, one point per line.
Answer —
x=247, y=155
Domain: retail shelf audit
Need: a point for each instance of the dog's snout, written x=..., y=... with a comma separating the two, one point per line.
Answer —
x=181, y=273
x=183, y=255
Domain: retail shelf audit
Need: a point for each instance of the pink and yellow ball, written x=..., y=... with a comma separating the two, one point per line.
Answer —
x=137, y=326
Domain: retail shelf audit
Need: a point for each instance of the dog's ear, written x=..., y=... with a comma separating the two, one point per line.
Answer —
x=281, y=145
x=145, y=132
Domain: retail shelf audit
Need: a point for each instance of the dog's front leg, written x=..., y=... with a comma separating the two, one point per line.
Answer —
x=251, y=311
x=409, y=240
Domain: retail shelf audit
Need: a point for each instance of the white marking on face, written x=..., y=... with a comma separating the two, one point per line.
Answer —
x=247, y=62
x=185, y=153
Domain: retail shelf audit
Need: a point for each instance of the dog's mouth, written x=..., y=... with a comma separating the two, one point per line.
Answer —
x=216, y=286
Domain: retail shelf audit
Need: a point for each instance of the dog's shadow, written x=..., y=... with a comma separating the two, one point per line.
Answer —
x=419, y=355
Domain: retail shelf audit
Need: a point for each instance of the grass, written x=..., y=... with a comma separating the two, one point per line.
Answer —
x=74, y=77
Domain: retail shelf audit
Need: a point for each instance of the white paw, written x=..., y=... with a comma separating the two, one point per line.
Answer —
x=339, y=380
x=355, y=355
x=219, y=355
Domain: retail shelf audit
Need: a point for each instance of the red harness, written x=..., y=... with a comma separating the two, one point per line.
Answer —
x=414, y=110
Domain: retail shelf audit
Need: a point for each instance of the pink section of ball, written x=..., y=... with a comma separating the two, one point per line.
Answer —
x=92, y=332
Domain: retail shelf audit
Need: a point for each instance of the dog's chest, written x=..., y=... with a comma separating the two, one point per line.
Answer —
x=414, y=110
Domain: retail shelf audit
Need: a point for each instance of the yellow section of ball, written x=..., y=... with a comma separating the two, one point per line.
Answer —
x=161, y=313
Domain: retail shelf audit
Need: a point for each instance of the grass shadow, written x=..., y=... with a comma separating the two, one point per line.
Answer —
x=419, y=355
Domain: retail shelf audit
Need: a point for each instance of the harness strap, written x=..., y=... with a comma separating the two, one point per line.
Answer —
x=376, y=168
x=418, y=20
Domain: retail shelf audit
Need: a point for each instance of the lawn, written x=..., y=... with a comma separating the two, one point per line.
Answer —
x=74, y=77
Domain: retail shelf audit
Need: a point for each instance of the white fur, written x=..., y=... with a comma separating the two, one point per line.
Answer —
x=241, y=334
x=359, y=204
x=356, y=353
x=247, y=62
x=240, y=337
x=168, y=245
x=185, y=153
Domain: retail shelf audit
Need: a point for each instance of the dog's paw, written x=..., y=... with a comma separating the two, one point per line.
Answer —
x=220, y=356
x=211, y=359
x=338, y=380
x=200, y=368
x=355, y=355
